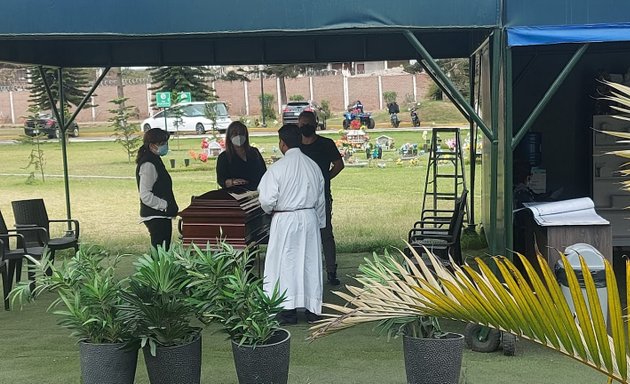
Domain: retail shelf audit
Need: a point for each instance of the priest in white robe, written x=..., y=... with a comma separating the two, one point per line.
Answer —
x=292, y=191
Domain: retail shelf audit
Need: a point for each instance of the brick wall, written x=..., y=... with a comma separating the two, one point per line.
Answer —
x=330, y=88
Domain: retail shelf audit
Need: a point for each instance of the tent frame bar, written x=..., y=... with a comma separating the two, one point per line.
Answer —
x=548, y=95
x=64, y=125
x=448, y=86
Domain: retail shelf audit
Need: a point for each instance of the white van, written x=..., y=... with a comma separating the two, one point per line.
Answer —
x=198, y=116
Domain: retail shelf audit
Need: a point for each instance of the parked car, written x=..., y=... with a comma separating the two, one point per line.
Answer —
x=47, y=125
x=195, y=117
x=292, y=110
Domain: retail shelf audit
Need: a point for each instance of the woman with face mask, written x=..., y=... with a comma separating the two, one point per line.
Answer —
x=157, y=202
x=240, y=164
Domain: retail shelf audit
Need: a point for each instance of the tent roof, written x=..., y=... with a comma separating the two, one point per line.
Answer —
x=148, y=33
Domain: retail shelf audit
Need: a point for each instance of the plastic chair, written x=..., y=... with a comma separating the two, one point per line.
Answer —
x=441, y=241
x=13, y=257
x=32, y=214
x=4, y=269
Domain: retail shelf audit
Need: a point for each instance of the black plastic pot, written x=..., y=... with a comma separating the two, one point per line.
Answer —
x=433, y=361
x=264, y=364
x=107, y=363
x=175, y=365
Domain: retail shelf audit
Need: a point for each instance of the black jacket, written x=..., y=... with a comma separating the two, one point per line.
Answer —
x=163, y=187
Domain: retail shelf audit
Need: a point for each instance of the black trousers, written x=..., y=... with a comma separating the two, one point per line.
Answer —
x=328, y=240
x=161, y=231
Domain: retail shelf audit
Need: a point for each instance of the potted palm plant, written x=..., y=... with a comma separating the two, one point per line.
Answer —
x=431, y=355
x=225, y=290
x=156, y=308
x=88, y=305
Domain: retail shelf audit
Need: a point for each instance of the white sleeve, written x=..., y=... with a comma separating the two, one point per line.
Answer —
x=268, y=191
x=148, y=177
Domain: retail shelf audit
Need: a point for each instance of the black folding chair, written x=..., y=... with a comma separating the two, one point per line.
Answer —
x=4, y=272
x=441, y=237
x=14, y=256
x=32, y=214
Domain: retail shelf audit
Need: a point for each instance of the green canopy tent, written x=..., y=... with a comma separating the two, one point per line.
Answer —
x=66, y=34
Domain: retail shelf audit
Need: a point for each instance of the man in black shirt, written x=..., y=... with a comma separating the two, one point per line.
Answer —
x=324, y=152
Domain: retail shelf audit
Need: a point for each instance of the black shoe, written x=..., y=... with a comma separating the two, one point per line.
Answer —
x=312, y=318
x=287, y=317
x=332, y=278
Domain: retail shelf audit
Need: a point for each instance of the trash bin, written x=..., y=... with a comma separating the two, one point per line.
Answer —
x=595, y=262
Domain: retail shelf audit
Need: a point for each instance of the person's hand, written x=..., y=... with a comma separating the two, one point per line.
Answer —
x=235, y=182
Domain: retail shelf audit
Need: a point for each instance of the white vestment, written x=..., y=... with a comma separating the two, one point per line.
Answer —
x=292, y=190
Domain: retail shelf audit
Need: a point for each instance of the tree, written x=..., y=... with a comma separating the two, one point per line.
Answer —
x=75, y=82
x=184, y=79
x=282, y=71
x=36, y=158
x=126, y=134
x=389, y=97
x=455, y=69
x=269, y=112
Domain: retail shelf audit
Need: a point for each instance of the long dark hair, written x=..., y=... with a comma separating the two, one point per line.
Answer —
x=235, y=128
x=152, y=136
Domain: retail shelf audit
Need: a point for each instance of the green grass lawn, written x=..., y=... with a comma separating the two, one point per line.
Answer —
x=374, y=208
x=36, y=350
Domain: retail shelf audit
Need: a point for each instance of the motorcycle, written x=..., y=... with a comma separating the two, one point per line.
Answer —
x=415, y=119
x=393, y=118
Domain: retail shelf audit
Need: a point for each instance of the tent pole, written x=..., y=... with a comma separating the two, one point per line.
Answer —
x=62, y=139
x=51, y=99
x=442, y=87
x=87, y=96
x=424, y=54
x=508, y=181
x=472, y=63
x=494, y=147
x=548, y=95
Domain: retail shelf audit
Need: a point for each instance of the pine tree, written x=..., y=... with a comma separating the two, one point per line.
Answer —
x=184, y=79
x=126, y=134
x=75, y=82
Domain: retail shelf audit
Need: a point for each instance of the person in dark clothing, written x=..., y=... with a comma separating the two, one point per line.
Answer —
x=155, y=186
x=324, y=152
x=393, y=107
x=240, y=164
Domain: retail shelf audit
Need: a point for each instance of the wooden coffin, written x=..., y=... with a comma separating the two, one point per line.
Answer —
x=232, y=215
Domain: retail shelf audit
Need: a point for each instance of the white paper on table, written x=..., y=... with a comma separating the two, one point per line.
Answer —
x=579, y=211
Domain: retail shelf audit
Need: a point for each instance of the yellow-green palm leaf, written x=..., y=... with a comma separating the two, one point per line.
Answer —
x=528, y=304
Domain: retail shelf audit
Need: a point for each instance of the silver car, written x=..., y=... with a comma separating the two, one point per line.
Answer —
x=292, y=110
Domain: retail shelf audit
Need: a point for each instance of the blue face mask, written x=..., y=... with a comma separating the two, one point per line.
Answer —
x=162, y=150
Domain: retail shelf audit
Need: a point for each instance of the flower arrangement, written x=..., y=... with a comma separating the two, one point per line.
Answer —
x=209, y=148
x=203, y=157
x=355, y=124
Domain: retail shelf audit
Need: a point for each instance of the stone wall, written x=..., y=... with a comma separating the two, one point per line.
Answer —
x=14, y=104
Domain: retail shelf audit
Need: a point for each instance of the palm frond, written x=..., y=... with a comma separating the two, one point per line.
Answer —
x=529, y=304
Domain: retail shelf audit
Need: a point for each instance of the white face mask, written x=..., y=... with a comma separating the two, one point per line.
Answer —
x=238, y=140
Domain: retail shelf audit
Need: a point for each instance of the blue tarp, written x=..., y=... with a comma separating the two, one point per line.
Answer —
x=563, y=34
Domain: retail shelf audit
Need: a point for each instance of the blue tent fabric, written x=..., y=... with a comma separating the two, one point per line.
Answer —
x=203, y=17
x=71, y=33
x=563, y=34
